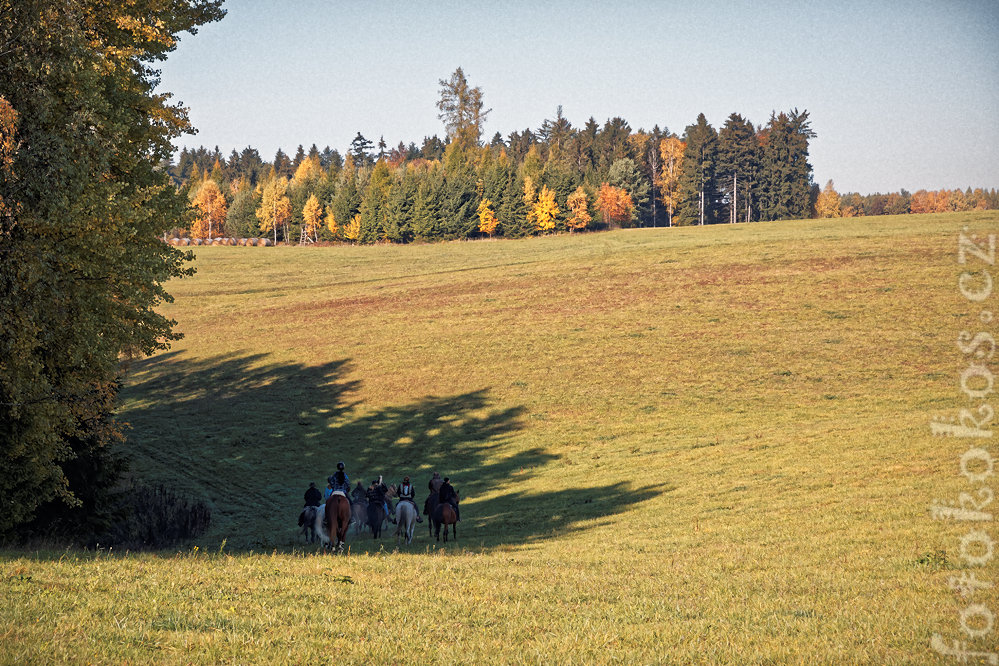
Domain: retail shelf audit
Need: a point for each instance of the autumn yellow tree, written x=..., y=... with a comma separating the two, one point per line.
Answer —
x=827, y=203
x=614, y=204
x=545, y=211
x=275, y=206
x=312, y=218
x=579, y=206
x=487, y=217
x=307, y=173
x=671, y=151
x=211, y=208
x=352, y=230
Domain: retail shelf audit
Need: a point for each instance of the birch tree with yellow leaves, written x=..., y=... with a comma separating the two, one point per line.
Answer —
x=671, y=151
x=275, y=207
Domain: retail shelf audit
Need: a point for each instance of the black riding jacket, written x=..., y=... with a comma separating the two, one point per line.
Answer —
x=446, y=493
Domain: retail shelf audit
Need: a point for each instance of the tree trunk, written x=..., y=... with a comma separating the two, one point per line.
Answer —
x=735, y=197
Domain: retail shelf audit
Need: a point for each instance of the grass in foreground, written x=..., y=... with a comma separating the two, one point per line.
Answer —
x=674, y=445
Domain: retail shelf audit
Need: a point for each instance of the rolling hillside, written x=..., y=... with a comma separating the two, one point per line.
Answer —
x=692, y=444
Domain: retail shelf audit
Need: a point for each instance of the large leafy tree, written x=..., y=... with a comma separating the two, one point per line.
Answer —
x=83, y=202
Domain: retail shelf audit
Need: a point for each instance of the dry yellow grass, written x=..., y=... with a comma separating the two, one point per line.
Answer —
x=692, y=445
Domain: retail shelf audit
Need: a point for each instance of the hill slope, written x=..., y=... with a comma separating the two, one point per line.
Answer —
x=691, y=444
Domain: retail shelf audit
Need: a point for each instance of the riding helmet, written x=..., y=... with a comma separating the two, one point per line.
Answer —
x=339, y=465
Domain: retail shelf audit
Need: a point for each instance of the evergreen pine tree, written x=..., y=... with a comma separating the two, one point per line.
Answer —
x=697, y=184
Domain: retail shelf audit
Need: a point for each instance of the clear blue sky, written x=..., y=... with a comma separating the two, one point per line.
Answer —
x=901, y=94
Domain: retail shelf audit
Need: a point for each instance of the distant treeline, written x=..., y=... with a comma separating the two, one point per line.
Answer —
x=556, y=178
x=830, y=203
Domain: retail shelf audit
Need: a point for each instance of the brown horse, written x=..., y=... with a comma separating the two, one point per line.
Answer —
x=337, y=520
x=444, y=515
x=376, y=516
x=429, y=506
x=359, y=515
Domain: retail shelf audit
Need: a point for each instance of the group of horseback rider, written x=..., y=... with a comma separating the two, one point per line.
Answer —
x=339, y=483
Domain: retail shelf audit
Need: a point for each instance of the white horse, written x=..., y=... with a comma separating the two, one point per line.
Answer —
x=405, y=514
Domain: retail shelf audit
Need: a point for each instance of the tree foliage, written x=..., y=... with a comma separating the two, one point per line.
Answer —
x=545, y=211
x=827, y=203
x=212, y=211
x=275, y=206
x=82, y=207
x=579, y=208
x=462, y=110
x=614, y=204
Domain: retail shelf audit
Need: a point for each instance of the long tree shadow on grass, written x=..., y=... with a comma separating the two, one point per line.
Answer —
x=247, y=435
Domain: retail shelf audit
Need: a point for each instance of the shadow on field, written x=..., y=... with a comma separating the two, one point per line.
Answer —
x=248, y=435
x=516, y=518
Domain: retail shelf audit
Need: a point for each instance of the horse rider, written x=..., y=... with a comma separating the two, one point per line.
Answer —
x=312, y=495
x=312, y=498
x=357, y=494
x=435, y=483
x=408, y=494
x=448, y=494
x=339, y=481
x=376, y=495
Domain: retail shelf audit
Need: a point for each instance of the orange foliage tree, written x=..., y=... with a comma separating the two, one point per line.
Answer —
x=212, y=208
x=614, y=204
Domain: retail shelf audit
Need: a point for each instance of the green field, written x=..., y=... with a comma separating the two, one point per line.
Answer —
x=692, y=445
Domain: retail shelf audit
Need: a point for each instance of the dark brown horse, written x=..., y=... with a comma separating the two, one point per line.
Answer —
x=359, y=512
x=429, y=506
x=376, y=516
x=337, y=520
x=444, y=515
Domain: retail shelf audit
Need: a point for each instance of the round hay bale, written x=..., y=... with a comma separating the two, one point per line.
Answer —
x=197, y=241
x=174, y=241
x=264, y=242
x=183, y=242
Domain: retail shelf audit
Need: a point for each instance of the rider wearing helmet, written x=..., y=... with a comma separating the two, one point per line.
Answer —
x=339, y=481
x=408, y=494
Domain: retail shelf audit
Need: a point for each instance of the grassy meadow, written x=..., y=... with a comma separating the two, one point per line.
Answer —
x=689, y=445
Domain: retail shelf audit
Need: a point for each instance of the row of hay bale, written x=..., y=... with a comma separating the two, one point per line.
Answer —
x=257, y=242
